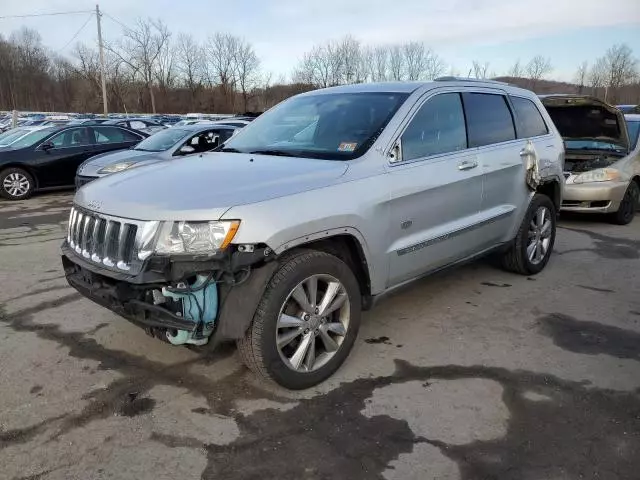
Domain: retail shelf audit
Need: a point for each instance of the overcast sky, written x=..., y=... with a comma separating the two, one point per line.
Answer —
x=494, y=31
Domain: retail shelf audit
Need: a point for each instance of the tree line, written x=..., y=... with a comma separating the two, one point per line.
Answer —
x=149, y=69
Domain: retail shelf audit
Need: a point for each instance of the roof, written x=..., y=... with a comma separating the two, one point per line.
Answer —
x=196, y=127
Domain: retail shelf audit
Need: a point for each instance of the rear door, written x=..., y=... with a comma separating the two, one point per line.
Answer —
x=492, y=132
x=435, y=191
x=109, y=138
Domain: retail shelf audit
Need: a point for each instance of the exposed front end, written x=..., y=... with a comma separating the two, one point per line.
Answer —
x=120, y=264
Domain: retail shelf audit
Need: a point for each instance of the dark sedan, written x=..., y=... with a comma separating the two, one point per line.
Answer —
x=50, y=157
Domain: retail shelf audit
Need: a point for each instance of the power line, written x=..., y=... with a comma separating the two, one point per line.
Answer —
x=45, y=14
x=77, y=33
x=115, y=20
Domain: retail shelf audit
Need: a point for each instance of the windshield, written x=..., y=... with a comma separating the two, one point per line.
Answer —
x=592, y=145
x=163, y=140
x=12, y=135
x=32, y=138
x=634, y=129
x=339, y=126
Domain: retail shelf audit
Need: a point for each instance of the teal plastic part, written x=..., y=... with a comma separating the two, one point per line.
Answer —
x=200, y=302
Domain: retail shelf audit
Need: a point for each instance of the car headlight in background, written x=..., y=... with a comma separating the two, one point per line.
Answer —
x=117, y=167
x=599, y=175
x=195, y=237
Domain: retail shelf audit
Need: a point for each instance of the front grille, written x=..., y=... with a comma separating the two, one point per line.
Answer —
x=106, y=240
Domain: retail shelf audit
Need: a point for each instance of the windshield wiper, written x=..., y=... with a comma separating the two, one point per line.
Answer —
x=227, y=149
x=277, y=153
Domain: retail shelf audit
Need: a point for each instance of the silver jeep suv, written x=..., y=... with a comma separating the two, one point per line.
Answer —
x=282, y=237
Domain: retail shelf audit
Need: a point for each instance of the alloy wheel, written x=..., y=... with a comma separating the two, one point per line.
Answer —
x=540, y=230
x=313, y=323
x=16, y=184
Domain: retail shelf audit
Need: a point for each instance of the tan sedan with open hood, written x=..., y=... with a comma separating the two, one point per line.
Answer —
x=602, y=164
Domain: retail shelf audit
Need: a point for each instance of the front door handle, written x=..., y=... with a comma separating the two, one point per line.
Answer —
x=467, y=165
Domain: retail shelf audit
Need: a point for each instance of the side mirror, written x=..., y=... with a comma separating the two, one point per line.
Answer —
x=395, y=154
x=46, y=146
x=186, y=149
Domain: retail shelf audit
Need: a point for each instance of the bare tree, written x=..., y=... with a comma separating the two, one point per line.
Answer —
x=581, y=76
x=380, y=64
x=434, y=65
x=396, y=63
x=415, y=58
x=247, y=69
x=189, y=65
x=516, y=70
x=140, y=48
x=537, y=68
x=221, y=55
x=480, y=70
x=620, y=68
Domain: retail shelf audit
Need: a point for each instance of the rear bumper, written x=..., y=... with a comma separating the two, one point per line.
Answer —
x=596, y=197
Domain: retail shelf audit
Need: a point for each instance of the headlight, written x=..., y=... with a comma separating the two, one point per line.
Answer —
x=117, y=167
x=599, y=175
x=195, y=237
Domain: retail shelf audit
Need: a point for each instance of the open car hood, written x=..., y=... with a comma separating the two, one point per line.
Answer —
x=580, y=117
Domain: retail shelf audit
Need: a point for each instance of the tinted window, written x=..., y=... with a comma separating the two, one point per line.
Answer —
x=634, y=130
x=114, y=135
x=31, y=138
x=438, y=127
x=73, y=137
x=488, y=119
x=528, y=119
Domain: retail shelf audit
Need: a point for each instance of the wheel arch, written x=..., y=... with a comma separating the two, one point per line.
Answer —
x=24, y=167
x=552, y=189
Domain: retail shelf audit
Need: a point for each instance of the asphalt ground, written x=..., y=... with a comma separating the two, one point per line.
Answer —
x=474, y=373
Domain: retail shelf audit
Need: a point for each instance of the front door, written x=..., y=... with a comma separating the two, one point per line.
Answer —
x=436, y=189
x=61, y=155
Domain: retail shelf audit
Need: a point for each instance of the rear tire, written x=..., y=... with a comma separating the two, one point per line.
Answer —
x=280, y=315
x=628, y=206
x=16, y=184
x=531, y=249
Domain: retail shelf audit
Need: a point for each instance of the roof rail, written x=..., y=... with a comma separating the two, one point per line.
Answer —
x=463, y=79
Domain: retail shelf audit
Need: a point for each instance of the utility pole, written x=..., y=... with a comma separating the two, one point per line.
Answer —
x=101, y=48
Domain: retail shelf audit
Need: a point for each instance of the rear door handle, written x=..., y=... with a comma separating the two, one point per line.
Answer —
x=467, y=165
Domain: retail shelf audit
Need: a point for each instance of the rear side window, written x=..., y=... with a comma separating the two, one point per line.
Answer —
x=114, y=135
x=438, y=127
x=489, y=119
x=528, y=119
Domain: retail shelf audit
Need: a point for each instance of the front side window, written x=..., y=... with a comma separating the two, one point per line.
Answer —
x=528, y=119
x=489, y=119
x=162, y=140
x=437, y=128
x=74, y=137
x=345, y=126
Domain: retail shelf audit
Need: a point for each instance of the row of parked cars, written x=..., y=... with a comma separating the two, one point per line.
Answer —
x=40, y=157
x=285, y=231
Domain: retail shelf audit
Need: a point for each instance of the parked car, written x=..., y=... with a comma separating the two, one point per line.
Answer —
x=172, y=143
x=279, y=242
x=635, y=109
x=86, y=121
x=49, y=157
x=602, y=167
x=140, y=124
x=15, y=134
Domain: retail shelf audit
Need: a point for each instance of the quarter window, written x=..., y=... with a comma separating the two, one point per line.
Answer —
x=528, y=119
x=489, y=119
x=438, y=127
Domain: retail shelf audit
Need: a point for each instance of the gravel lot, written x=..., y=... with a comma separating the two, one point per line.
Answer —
x=471, y=374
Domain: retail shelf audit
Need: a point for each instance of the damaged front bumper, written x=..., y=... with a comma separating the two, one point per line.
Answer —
x=594, y=197
x=187, y=300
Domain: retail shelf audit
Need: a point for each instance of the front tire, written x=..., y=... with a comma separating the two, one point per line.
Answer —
x=628, y=206
x=306, y=322
x=16, y=184
x=532, y=247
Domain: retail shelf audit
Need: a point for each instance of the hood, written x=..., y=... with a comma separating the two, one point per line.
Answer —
x=108, y=158
x=204, y=187
x=580, y=117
